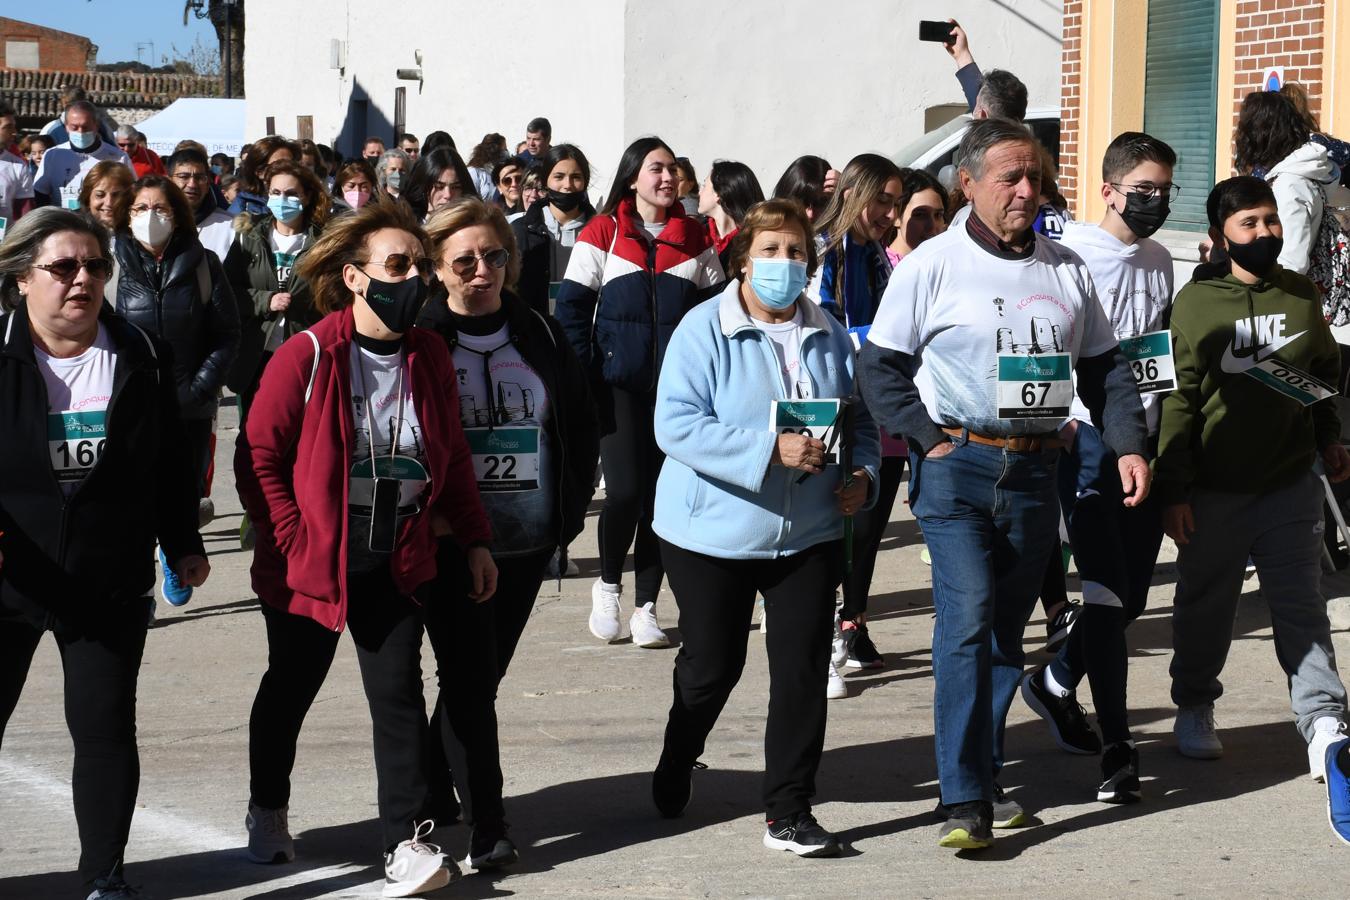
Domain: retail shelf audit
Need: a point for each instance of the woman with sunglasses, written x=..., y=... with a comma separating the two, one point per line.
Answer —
x=636, y=270
x=351, y=463
x=525, y=406
x=508, y=175
x=168, y=284
x=274, y=299
x=81, y=507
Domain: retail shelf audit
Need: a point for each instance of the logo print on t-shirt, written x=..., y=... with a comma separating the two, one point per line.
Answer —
x=1255, y=339
x=1044, y=338
x=998, y=305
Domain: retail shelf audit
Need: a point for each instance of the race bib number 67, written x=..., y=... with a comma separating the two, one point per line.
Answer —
x=1034, y=386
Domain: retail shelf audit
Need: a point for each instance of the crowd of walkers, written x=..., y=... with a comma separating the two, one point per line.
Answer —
x=436, y=361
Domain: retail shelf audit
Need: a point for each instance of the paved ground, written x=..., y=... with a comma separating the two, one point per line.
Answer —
x=581, y=725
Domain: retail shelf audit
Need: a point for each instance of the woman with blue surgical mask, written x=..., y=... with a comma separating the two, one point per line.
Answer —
x=273, y=302
x=766, y=457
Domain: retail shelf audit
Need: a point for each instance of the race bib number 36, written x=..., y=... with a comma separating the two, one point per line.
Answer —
x=1150, y=358
x=75, y=441
x=505, y=459
x=813, y=418
x=1034, y=386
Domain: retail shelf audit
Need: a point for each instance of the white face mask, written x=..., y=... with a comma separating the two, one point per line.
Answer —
x=151, y=228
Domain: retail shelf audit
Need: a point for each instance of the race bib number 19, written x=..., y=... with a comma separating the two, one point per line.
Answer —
x=1034, y=386
x=75, y=441
x=813, y=418
x=505, y=459
x=1150, y=358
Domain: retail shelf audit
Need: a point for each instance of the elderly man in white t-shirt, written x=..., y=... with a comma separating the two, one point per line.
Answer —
x=64, y=166
x=972, y=358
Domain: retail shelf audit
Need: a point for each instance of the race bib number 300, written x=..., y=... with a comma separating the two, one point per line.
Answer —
x=813, y=418
x=75, y=441
x=1034, y=386
x=1150, y=358
x=1292, y=383
x=505, y=459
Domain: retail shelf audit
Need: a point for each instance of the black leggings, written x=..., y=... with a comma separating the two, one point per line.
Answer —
x=100, y=687
x=716, y=599
x=481, y=639
x=387, y=630
x=631, y=462
x=868, y=529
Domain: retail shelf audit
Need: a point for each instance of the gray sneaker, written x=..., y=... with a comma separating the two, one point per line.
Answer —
x=269, y=837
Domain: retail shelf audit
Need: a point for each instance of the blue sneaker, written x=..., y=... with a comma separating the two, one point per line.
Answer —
x=1338, y=788
x=174, y=592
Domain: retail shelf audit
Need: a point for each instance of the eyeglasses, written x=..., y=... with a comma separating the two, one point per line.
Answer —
x=64, y=269
x=141, y=209
x=398, y=264
x=1148, y=191
x=466, y=265
x=510, y=179
x=185, y=177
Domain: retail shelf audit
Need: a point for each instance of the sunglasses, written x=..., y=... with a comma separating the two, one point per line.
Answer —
x=398, y=264
x=510, y=179
x=64, y=269
x=466, y=265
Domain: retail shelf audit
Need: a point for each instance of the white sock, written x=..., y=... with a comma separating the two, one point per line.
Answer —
x=1054, y=686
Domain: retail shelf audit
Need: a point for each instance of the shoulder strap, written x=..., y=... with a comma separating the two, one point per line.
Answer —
x=149, y=345
x=314, y=369
x=548, y=331
x=110, y=286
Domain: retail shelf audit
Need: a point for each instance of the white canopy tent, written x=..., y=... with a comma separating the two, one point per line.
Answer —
x=215, y=122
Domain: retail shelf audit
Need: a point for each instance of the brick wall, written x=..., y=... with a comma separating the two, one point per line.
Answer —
x=57, y=50
x=1278, y=33
x=1070, y=101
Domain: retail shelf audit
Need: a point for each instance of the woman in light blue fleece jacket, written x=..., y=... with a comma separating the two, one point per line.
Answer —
x=753, y=412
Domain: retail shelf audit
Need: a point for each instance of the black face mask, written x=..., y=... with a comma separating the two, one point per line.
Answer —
x=1258, y=256
x=565, y=202
x=1144, y=217
x=397, y=303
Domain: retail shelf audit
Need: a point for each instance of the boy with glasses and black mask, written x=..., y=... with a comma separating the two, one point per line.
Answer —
x=1116, y=544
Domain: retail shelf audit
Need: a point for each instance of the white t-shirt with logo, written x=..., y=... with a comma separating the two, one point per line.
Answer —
x=957, y=307
x=786, y=340
x=78, y=391
x=1134, y=285
x=504, y=424
x=63, y=168
x=379, y=376
x=285, y=248
x=16, y=183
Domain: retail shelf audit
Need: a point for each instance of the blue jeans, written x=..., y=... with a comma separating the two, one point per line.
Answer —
x=990, y=518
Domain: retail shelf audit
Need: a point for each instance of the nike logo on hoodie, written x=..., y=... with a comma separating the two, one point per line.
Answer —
x=1255, y=339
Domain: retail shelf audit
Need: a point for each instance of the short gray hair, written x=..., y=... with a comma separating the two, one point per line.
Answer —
x=25, y=240
x=383, y=163
x=982, y=136
x=85, y=107
x=125, y=131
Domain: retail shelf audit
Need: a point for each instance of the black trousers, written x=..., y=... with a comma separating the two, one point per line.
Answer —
x=716, y=599
x=198, y=435
x=100, y=700
x=631, y=461
x=387, y=630
x=480, y=639
x=868, y=528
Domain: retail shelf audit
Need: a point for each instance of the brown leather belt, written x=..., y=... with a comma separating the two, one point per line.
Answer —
x=1018, y=443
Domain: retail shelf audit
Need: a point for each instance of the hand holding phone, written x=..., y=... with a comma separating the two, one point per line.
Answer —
x=937, y=32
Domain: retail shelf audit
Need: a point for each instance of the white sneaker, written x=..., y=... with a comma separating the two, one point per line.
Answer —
x=269, y=837
x=1327, y=730
x=835, y=686
x=414, y=867
x=838, y=646
x=1194, y=729
x=605, y=622
x=645, y=629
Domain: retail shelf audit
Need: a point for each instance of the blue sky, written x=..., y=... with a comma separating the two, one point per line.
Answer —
x=117, y=26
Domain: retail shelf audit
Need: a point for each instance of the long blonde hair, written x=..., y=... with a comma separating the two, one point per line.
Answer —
x=863, y=179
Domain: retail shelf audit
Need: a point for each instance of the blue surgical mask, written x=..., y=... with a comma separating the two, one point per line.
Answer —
x=394, y=179
x=285, y=209
x=216, y=171
x=777, y=282
x=82, y=140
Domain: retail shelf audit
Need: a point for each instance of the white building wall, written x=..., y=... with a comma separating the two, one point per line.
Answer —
x=758, y=81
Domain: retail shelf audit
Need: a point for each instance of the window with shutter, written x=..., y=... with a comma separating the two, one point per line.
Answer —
x=1181, y=98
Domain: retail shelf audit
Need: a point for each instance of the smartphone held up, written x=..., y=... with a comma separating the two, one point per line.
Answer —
x=937, y=32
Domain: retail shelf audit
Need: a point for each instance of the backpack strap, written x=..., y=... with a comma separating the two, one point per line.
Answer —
x=110, y=286
x=314, y=369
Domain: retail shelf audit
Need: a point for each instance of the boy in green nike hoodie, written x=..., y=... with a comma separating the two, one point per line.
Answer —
x=1237, y=445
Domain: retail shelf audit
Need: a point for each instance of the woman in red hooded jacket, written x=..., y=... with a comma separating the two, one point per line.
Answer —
x=351, y=463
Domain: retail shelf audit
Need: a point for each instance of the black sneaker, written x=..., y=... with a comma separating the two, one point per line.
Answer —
x=1057, y=629
x=1120, y=774
x=967, y=827
x=490, y=848
x=801, y=834
x=1007, y=813
x=672, y=786
x=1066, y=718
x=862, y=653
